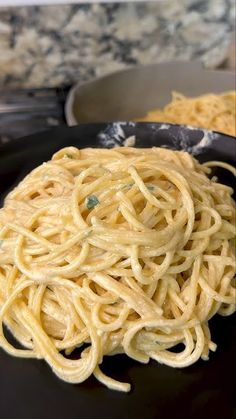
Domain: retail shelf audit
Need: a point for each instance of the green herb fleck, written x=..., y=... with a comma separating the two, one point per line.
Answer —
x=128, y=186
x=92, y=201
x=150, y=187
x=69, y=156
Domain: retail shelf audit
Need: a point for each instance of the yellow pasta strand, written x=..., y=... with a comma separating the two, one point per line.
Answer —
x=210, y=111
x=116, y=251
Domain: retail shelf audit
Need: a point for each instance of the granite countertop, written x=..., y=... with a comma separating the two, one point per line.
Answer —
x=60, y=45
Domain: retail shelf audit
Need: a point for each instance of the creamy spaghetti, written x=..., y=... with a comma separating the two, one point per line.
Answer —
x=105, y=252
x=211, y=111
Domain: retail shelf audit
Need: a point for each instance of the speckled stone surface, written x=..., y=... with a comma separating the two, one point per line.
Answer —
x=60, y=45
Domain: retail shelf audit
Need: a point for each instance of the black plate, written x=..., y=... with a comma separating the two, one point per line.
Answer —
x=28, y=388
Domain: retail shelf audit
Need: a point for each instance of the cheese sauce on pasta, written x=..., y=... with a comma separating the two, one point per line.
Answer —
x=116, y=251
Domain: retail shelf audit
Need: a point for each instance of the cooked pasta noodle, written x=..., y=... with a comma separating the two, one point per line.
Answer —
x=116, y=251
x=211, y=111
